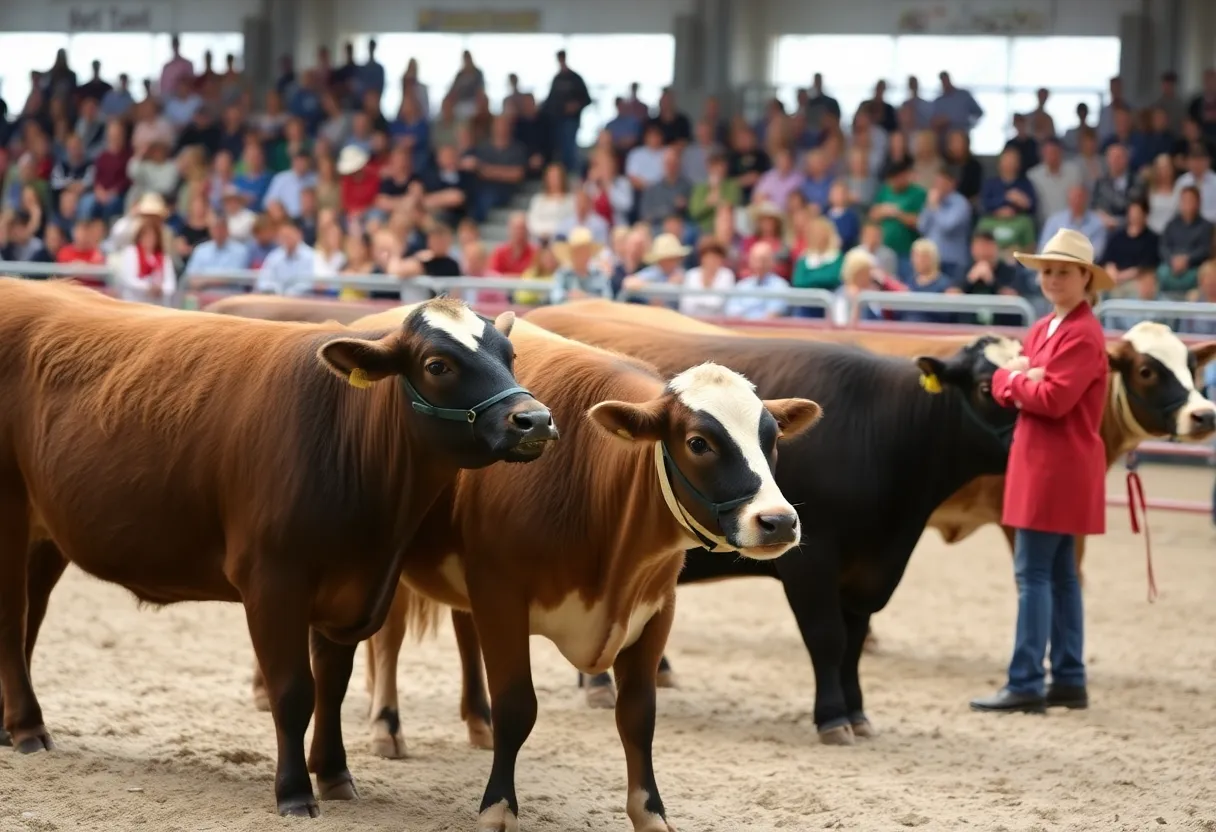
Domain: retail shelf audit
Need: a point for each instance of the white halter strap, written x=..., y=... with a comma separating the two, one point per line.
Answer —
x=696, y=533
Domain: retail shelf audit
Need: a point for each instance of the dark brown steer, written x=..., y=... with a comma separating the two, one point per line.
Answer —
x=195, y=457
x=584, y=547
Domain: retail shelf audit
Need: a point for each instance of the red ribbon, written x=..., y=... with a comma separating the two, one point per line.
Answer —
x=1135, y=491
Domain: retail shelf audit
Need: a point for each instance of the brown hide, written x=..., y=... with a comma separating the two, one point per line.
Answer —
x=279, y=308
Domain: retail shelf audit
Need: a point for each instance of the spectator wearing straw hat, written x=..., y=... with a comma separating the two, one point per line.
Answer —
x=578, y=276
x=1055, y=485
x=666, y=265
x=711, y=272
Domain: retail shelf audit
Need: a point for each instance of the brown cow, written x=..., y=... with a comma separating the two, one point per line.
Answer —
x=1151, y=394
x=191, y=457
x=585, y=549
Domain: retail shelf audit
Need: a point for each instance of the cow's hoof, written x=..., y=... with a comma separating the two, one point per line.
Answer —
x=480, y=734
x=601, y=696
x=385, y=744
x=840, y=735
x=31, y=742
x=5, y=739
x=498, y=818
x=261, y=700
x=654, y=823
x=339, y=787
x=299, y=807
x=666, y=679
x=864, y=728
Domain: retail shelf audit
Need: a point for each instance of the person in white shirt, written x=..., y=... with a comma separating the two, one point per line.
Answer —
x=289, y=269
x=761, y=263
x=553, y=206
x=644, y=164
x=1199, y=175
x=1052, y=178
x=710, y=273
x=328, y=257
x=146, y=270
x=240, y=217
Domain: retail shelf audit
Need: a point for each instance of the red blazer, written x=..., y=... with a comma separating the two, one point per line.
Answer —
x=1056, y=480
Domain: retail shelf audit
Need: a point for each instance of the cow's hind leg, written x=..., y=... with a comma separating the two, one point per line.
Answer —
x=856, y=626
x=261, y=699
x=327, y=757
x=667, y=676
x=474, y=701
x=503, y=627
x=601, y=691
x=636, y=671
x=383, y=652
x=22, y=713
x=46, y=565
x=278, y=625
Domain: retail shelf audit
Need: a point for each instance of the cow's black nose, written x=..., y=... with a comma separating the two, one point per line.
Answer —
x=778, y=528
x=1204, y=419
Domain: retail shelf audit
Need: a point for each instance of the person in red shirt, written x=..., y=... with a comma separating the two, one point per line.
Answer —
x=84, y=250
x=512, y=258
x=110, y=180
x=360, y=180
x=1055, y=485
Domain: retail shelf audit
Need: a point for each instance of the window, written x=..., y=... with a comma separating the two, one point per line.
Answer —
x=598, y=58
x=140, y=55
x=1003, y=73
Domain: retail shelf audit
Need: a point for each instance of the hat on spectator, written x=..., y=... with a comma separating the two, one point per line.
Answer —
x=767, y=209
x=151, y=204
x=1069, y=246
x=352, y=159
x=667, y=247
x=579, y=237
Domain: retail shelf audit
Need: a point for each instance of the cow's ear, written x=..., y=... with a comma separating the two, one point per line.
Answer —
x=1121, y=355
x=358, y=361
x=794, y=416
x=504, y=322
x=933, y=371
x=630, y=421
x=1203, y=353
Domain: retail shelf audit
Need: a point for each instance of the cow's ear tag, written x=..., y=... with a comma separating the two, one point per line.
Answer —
x=931, y=383
x=358, y=378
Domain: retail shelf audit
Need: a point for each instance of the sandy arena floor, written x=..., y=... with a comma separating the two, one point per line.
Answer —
x=155, y=729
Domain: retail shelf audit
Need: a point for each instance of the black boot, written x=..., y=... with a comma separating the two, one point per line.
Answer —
x=1073, y=697
x=1006, y=701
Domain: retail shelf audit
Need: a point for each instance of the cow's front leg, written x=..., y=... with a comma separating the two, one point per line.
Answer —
x=332, y=663
x=636, y=670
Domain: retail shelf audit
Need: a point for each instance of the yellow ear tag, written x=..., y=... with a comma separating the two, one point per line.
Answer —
x=358, y=378
x=624, y=434
x=930, y=383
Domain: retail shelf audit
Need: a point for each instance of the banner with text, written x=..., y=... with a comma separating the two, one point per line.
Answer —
x=82, y=17
x=974, y=17
x=479, y=20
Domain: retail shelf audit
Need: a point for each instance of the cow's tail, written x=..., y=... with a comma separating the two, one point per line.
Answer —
x=411, y=613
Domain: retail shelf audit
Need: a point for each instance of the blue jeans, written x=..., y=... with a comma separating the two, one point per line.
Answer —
x=491, y=195
x=1049, y=609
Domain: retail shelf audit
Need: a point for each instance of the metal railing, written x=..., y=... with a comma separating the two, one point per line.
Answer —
x=407, y=289
x=923, y=302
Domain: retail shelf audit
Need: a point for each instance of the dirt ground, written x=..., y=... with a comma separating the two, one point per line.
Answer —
x=155, y=729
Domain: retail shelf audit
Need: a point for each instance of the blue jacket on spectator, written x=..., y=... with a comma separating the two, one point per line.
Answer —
x=949, y=227
x=995, y=190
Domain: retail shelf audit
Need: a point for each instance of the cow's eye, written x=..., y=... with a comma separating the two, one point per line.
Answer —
x=437, y=367
x=985, y=388
x=1146, y=373
x=698, y=445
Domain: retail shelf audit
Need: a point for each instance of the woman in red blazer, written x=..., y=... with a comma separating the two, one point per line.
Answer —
x=1055, y=486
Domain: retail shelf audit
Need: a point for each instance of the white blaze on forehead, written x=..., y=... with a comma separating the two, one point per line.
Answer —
x=1002, y=351
x=461, y=323
x=1159, y=341
x=731, y=399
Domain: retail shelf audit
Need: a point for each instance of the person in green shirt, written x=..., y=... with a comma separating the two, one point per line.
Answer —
x=897, y=207
x=718, y=189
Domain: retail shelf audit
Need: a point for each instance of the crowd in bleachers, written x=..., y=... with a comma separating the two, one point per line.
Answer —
x=192, y=175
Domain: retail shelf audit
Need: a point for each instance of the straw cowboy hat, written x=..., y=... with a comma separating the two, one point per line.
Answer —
x=1068, y=246
x=352, y=159
x=151, y=204
x=667, y=247
x=579, y=237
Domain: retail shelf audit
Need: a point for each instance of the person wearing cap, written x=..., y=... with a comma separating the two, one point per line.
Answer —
x=578, y=276
x=1055, y=484
x=360, y=180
